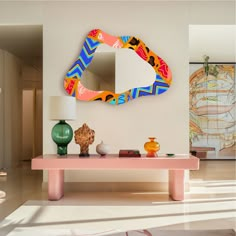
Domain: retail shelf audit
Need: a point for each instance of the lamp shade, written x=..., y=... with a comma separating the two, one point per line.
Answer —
x=62, y=108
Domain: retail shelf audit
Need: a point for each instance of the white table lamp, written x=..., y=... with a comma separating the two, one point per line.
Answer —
x=62, y=108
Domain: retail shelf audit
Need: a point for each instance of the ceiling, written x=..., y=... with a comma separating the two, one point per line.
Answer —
x=24, y=41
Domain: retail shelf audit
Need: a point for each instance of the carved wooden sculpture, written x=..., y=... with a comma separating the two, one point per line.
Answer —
x=84, y=136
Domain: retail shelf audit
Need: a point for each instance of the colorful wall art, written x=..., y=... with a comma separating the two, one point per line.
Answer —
x=213, y=110
x=72, y=81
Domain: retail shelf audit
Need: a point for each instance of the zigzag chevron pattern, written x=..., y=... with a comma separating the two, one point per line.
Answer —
x=96, y=37
x=158, y=87
x=84, y=59
x=125, y=39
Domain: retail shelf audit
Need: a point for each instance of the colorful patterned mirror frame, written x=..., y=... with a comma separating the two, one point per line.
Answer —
x=74, y=87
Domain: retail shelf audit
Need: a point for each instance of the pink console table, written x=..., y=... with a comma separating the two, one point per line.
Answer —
x=56, y=166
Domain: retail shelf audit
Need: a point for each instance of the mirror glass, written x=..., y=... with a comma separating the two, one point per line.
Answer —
x=122, y=69
x=117, y=70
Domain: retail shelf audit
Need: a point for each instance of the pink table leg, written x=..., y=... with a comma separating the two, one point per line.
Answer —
x=176, y=184
x=55, y=184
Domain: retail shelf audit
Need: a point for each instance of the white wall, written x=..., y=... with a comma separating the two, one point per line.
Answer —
x=1, y=110
x=28, y=124
x=218, y=42
x=105, y=83
x=91, y=80
x=32, y=81
x=11, y=110
x=32, y=123
x=163, y=26
x=32, y=77
x=38, y=122
x=14, y=76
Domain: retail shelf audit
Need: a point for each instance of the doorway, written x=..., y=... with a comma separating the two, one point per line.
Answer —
x=31, y=123
x=212, y=89
x=20, y=95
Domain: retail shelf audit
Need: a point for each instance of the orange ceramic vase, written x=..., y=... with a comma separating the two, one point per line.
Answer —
x=152, y=147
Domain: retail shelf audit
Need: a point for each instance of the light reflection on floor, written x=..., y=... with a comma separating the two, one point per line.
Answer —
x=211, y=204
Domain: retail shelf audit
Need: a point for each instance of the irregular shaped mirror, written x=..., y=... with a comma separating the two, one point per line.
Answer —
x=101, y=82
x=117, y=70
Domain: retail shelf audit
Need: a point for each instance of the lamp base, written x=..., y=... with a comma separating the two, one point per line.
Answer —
x=62, y=134
x=61, y=150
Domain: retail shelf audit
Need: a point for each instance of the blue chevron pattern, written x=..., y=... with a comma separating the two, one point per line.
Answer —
x=125, y=39
x=76, y=72
x=84, y=59
x=113, y=102
x=121, y=99
x=158, y=87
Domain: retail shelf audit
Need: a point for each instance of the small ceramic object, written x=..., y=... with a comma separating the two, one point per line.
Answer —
x=152, y=147
x=103, y=149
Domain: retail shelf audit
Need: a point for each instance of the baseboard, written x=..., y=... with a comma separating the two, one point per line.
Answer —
x=116, y=186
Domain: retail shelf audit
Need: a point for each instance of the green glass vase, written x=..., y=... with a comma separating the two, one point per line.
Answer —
x=62, y=134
